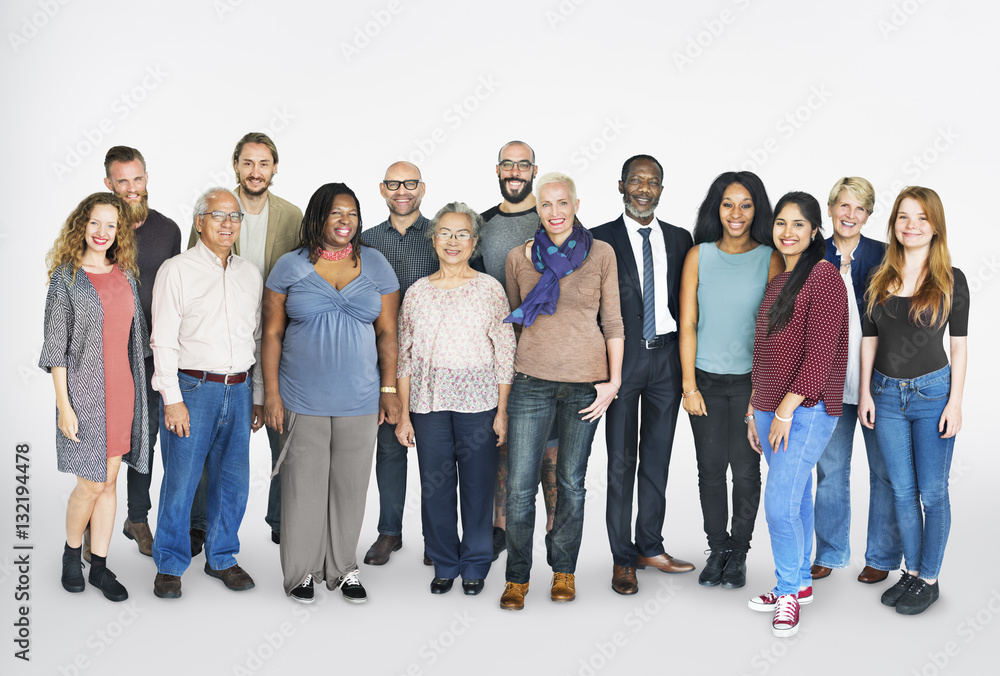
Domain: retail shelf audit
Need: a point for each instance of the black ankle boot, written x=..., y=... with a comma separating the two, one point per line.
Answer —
x=72, y=570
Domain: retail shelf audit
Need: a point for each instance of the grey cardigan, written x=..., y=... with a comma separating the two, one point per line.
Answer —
x=73, y=339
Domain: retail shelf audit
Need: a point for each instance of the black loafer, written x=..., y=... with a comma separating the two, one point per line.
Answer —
x=472, y=587
x=441, y=585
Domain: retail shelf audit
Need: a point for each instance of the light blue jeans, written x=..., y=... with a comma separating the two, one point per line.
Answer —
x=788, y=503
x=833, y=501
x=907, y=413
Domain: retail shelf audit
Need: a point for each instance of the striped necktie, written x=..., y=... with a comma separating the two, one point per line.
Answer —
x=648, y=290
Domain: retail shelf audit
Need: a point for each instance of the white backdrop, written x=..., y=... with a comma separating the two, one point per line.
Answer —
x=901, y=92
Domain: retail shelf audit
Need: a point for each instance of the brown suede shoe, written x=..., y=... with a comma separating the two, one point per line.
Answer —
x=141, y=534
x=563, y=587
x=666, y=563
x=167, y=586
x=513, y=596
x=872, y=575
x=234, y=577
x=819, y=572
x=623, y=580
x=384, y=545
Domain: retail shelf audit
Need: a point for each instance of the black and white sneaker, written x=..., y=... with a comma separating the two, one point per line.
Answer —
x=304, y=593
x=351, y=587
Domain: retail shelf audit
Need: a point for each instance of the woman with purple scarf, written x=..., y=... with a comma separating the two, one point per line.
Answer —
x=568, y=366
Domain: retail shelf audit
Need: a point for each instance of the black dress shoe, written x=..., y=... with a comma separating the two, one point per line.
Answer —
x=441, y=585
x=276, y=537
x=72, y=573
x=499, y=541
x=197, y=541
x=472, y=587
x=106, y=581
x=711, y=574
x=734, y=575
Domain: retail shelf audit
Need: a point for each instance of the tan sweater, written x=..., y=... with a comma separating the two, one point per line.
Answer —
x=569, y=346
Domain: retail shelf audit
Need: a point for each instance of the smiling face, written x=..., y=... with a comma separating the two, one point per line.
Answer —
x=219, y=237
x=451, y=250
x=341, y=224
x=848, y=216
x=516, y=184
x=792, y=234
x=102, y=227
x=912, y=228
x=736, y=211
x=402, y=202
x=128, y=181
x=255, y=167
x=641, y=190
x=557, y=211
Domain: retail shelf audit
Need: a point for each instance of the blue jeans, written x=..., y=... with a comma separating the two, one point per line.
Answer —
x=458, y=456
x=788, y=503
x=907, y=413
x=533, y=406
x=833, y=501
x=219, y=443
x=390, y=473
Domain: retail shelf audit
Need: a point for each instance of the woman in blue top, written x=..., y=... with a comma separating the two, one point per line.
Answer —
x=329, y=360
x=722, y=286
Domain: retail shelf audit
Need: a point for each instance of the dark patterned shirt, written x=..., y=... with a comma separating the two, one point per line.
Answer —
x=410, y=254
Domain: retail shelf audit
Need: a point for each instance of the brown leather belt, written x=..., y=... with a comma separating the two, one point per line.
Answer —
x=225, y=378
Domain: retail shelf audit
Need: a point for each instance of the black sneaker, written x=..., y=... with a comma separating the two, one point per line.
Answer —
x=106, y=581
x=892, y=595
x=351, y=587
x=711, y=574
x=72, y=573
x=304, y=593
x=499, y=541
x=918, y=597
x=734, y=575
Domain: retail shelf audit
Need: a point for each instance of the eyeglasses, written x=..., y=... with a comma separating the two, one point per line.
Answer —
x=409, y=185
x=523, y=165
x=221, y=216
x=461, y=235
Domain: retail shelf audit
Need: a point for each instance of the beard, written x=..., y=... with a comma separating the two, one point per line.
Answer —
x=636, y=213
x=245, y=190
x=137, y=212
x=518, y=197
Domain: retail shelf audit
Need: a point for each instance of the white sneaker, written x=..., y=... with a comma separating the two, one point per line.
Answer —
x=786, y=616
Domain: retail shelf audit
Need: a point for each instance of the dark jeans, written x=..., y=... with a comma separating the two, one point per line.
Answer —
x=533, y=406
x=137, y=484
x=457, y=453
x=390, y=473
x=273, y=516
x=720, y=442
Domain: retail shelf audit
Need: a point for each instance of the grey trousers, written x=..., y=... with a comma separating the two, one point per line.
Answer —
x=325, y=465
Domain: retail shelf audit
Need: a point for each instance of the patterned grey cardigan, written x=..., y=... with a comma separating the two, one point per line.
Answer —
x=73, y=324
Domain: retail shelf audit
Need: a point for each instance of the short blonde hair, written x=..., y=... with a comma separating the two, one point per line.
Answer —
x=555, y=177
x=859, y=187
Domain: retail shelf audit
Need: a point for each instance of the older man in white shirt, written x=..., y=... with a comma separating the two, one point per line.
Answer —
x=206, y=310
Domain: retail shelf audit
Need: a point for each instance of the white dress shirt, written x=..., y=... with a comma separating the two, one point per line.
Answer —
x=665, y=323
x=205, y=318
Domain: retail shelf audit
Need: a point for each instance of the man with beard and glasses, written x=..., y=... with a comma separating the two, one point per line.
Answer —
x=650, y=256
x=402, y=239
x=157, y=238
x=510, y=224
x=270, y=229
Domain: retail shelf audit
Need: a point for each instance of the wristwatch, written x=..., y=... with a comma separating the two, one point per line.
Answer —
x=748, y=418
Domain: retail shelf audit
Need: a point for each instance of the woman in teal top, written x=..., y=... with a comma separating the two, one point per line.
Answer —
x=722, y=286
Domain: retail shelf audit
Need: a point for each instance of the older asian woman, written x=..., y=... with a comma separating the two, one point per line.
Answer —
x=567, y=367
x=329, y=348
x=456, y=363
x=95, y=346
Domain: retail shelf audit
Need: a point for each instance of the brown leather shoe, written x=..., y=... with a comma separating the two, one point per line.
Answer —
x=623, y=580
x=818, y=572
x=384, y=545
x=563, y=587
x=513, y=596
x=666, y=563
x=141, y=534
x=234, y=577
x=167, y=586
x=872, y=575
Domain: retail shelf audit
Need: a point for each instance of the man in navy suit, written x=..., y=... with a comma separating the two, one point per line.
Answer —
x=650, y=256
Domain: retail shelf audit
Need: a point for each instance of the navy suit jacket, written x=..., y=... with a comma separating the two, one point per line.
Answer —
x=867, y=255
x=678, y=241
